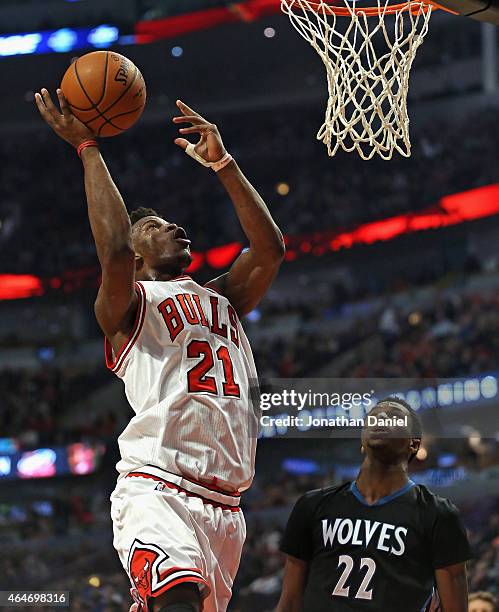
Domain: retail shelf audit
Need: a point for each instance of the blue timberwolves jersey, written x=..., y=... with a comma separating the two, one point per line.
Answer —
x=379, y=557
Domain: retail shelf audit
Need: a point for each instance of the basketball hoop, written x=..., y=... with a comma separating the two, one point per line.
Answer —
x=368, y=52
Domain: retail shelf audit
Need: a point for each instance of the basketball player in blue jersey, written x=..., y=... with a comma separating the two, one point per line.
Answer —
x=187, y=366
x=381, y=543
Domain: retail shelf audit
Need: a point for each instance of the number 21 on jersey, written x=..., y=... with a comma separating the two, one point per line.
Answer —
x=199, y=379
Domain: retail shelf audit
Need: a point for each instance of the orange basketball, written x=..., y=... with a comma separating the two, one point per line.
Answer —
x=106, y=91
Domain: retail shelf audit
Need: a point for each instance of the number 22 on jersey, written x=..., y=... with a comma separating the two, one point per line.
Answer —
x=342, y=590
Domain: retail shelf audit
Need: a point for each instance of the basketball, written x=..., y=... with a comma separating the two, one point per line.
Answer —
x=106, y=91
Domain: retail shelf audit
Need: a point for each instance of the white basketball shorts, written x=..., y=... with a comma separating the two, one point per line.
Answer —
x=169, y=530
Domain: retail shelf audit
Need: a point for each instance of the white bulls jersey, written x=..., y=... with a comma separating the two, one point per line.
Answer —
x=188, y=369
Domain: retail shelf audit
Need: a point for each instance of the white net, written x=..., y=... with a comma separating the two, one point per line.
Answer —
x=368, y=61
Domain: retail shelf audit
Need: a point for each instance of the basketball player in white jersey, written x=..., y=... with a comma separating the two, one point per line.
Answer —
x=189, y=451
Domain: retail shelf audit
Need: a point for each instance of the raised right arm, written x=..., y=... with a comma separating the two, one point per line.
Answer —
x=116, y=302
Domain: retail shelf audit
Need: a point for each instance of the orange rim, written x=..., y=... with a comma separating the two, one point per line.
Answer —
x=370, y=11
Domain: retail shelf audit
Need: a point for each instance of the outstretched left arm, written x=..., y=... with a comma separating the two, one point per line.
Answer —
x=452, y=588
x=252, y=273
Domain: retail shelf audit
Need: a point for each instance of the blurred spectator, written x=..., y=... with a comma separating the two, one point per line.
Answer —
x=35, y=405
x=482, y=601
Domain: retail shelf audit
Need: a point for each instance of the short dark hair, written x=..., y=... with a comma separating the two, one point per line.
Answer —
x=141, y=212
x=416, y=423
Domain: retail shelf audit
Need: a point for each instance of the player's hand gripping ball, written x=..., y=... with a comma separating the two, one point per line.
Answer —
x=105, y=91
x=61, y=119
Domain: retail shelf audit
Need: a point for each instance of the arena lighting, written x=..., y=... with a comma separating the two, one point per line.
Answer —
x=8, y=446
x=19, y=44
x=82, y=459
x=450, y=210
x=37, y=464
x=5, y=466
x=198, y=261
x=422, y=454
x=475, y=441
x=455, y=393
x=15, y=286
x=62, y=40
x=446, y=460
x=415, y=318
x=282, y=189
x=220, y=257
x=43, y=508
x=77, y=459
x=103, y=36
x=254, y=316
x=248, y=11
x=300, y=466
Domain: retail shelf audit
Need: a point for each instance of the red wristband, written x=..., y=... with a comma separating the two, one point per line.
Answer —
x=84, y=145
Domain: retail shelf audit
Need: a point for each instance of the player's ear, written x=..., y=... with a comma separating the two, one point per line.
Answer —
x=415, y=444
x=362, y=449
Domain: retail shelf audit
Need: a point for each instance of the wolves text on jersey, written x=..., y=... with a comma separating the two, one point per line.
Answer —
x=361, y=532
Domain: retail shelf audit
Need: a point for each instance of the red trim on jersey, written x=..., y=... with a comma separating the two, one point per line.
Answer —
x=172, y=570
x=202, y=484
x=114, y=362
x=195, y=576
x=213, y=488
x=182, y=277
x=210, y=288
x=192, y=578
x=180, y=580
x=178, y=488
